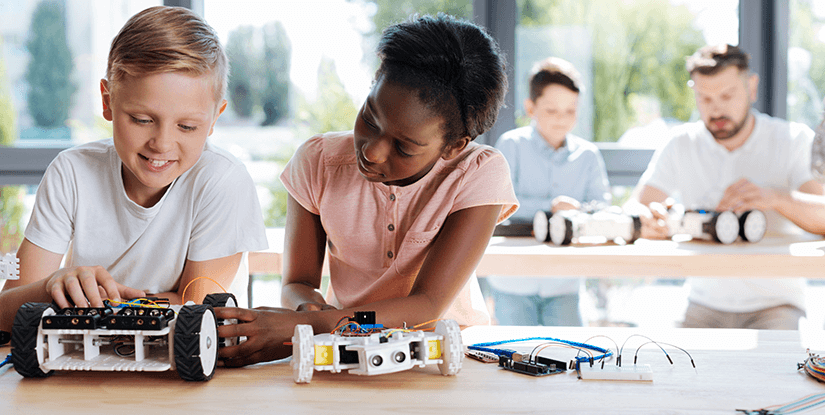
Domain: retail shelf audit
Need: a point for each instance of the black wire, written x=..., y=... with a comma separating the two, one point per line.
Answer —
x=604, y=356
x=619, y=358
x=668, y=357
x=532, y=359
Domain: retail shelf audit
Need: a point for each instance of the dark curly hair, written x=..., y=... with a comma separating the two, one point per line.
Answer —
x=454, y=65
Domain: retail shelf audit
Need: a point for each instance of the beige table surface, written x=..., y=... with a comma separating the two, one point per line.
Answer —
x=796, y=254
x=735, y=369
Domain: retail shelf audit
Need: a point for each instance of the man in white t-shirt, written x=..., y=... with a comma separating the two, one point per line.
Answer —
x=737, y=159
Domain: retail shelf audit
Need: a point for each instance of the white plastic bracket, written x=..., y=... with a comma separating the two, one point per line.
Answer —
x=9, y=267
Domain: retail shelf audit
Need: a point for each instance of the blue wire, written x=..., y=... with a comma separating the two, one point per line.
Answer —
x=813, y=405
x=6, y=361
x=485, y=347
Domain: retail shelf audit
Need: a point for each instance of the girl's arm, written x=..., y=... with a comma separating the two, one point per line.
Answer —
x=216, y=271
x=42, y=280
x=451, y=260
x=304, y=248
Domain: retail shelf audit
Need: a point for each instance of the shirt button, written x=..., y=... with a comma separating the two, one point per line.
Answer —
x=389, y=254
x=391, y=227
x=392, y=197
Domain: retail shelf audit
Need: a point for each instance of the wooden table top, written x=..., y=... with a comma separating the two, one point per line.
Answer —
x=735, y=369
x=796, y=254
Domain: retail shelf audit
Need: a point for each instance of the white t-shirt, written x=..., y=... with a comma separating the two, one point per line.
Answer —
x=695, y=170
x=211, y=211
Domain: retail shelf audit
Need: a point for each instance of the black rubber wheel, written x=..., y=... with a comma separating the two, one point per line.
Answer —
x=24, y=340
x=541, y=226
x=752, y=226
x=223, y=300
x=724, y=227
x=196, y=342
x=561, y=229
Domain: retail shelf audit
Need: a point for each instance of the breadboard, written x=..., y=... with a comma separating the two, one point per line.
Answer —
x=641, y=373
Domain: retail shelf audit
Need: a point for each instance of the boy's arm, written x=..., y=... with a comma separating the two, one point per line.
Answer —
x=219, y=270
x=36, y=264
x=41, y=280
x=304, y=249
x=451, y=260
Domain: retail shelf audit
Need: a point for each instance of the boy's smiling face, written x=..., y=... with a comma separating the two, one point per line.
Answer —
x=160, y=122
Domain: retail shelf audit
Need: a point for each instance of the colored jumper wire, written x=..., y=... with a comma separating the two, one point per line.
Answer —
x=487, y=347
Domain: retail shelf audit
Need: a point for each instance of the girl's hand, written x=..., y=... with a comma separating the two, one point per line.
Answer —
x=266, y=330
x=86, y=287
x=313, y=306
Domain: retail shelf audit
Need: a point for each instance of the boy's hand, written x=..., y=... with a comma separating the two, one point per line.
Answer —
x=86, y=287
x=565, y=203
x=654, y=226
x=266, y=330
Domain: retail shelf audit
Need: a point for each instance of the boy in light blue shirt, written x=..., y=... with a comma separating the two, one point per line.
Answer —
x=551, y=170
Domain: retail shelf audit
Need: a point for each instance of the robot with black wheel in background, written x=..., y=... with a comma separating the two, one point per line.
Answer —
x=566, y=227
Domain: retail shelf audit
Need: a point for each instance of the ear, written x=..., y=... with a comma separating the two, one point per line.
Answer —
x=107, y=99
x=529, y=107
x=221, y=109
x=453, y=149
x=753, y=87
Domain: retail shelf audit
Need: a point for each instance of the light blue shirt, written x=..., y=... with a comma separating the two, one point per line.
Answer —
x=540, y=173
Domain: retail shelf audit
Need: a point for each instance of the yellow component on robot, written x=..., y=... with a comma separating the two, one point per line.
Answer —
x=435, y=349
x=323, y=355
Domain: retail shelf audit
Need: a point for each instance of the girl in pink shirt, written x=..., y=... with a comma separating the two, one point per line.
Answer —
x=405, y=203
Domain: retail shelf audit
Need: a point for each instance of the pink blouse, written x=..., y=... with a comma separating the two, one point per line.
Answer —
x=378, y=235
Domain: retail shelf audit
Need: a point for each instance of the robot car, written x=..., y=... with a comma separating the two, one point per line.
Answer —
x=364, y=348
x=144, y=334
x=566, y=227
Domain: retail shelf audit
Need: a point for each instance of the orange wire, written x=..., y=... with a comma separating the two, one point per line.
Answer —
x=183, y=295
x=150, y=303
x=346, y=323
x=426, y=322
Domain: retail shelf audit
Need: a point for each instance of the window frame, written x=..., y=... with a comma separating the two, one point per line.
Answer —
x=765, y=37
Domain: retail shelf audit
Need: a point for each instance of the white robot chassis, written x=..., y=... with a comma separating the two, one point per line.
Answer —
x=376, y=353
x=567, y=227
x=140, y=336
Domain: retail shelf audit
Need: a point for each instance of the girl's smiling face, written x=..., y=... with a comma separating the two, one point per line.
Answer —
x=398, y=139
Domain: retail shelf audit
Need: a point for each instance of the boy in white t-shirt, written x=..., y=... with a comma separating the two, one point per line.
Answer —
x=155, y=207
x=736, y=159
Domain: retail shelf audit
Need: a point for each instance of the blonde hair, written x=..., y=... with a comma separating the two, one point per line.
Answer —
x=168, y=39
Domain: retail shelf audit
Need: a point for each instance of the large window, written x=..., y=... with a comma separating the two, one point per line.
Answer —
x=53, y=57
x=631, y=55
x=298, y=69
x=806, y=61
